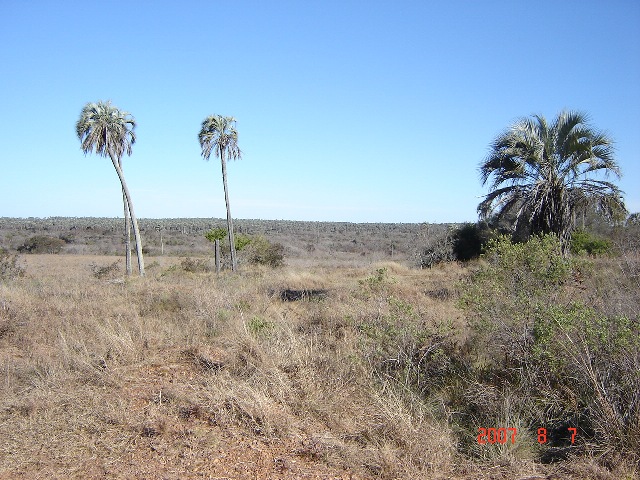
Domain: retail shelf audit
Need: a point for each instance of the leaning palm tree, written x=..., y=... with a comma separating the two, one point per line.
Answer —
x=219, y=134
x=544, y=175
x=108, y=131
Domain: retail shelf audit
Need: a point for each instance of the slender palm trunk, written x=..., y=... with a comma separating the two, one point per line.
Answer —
x=127, y=229
x=232, y=244
x=134, y=221
x=127, y=233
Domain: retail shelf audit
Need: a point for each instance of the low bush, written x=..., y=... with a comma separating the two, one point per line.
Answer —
x=436, y=248
x=261, y=251
x=42, y=244
x=195, y=265
x=469, y=240
x=105, y=271
x=583, y=242
x=256, y=250
x=563, y=362
x=9, y=266
x=461, y=243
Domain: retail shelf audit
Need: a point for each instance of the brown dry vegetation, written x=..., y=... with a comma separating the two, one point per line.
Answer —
x=183, y=375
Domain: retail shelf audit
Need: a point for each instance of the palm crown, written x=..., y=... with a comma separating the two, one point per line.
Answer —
x=219, y=133
x=545, y=174
x=106, y=130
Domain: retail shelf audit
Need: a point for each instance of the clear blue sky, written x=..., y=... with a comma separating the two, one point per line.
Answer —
x=361, y=111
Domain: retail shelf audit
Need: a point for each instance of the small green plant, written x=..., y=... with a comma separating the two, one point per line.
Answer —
x=259, y=326
x=377, y=281
x=242, y=241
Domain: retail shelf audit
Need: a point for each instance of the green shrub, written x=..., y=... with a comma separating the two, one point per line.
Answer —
x=242, y=241
x=258, y=326
x=377, y=282
x=261, y=251
x=563, y=362
x=42, y=244
x=583, y=242
x=469, y=240
x=216, y=234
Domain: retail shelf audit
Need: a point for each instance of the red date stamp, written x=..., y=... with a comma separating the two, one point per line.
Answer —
x=500, y=436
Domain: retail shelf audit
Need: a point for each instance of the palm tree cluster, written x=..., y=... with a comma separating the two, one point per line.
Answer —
x=108, y=131
x=543, y=175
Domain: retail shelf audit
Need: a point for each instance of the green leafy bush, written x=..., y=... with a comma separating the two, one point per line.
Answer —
x=583, y=242
x=216, y=234
x=258, y=326
x=261, y=251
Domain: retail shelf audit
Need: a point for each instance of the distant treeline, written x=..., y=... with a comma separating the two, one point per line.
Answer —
x=198, y=226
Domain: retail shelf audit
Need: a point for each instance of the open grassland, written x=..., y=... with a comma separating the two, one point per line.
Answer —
x=314, y=372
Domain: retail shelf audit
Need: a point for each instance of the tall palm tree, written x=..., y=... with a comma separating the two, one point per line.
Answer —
x=219, y=134
x=544, y=175
x=109, y=131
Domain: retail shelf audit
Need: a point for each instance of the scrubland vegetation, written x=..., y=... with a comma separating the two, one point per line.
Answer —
x=377, y=369
x=509, y=348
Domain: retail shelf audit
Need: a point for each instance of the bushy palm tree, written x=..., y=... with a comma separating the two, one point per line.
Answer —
x=219, y=134
x=544, y=175
x=109, y=131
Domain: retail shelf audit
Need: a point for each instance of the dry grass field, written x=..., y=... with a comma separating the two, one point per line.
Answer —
x=192, y=375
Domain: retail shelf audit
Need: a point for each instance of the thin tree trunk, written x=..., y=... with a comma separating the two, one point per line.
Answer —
x=127, y=229
x=232, y=244
x=216, y=244
x=127, y=233
x=136, y=230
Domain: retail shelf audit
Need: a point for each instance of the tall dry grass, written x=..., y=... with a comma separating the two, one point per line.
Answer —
x=194, y=375
x=170, y=372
